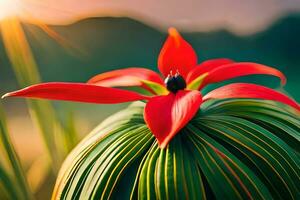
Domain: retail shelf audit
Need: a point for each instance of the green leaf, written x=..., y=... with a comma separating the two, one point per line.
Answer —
x=232, y=149
x=7, y=188
x=265, y=153
x=195, y=84
x=241, y=181
x=157, y=88
x=21, y=188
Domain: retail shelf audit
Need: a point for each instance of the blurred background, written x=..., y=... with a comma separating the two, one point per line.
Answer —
x=72, y=41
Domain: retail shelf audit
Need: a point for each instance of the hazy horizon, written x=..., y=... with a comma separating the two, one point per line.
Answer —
x=240, y=17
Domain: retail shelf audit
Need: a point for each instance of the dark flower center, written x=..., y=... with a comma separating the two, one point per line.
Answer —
x=175, y=82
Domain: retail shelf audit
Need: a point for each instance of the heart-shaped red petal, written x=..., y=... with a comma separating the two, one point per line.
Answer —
x=166, y=115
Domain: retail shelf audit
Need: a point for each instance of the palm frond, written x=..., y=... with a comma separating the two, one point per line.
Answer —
x=232, y=149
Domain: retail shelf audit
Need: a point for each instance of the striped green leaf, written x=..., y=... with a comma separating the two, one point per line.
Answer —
x=232, y=149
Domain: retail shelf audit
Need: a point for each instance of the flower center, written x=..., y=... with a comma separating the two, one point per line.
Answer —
x=175, y=82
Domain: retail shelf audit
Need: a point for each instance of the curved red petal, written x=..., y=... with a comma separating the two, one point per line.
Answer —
x=176, y=54
x=79, y=92
x=126, y=77
x=247, y=90
x=166, y=115
x=206, y=66
x=234, y=70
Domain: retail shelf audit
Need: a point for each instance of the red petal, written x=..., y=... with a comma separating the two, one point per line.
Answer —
x=206, y=66
x=176, y=54
x=247, y=90
x=77, y=92
x=166, y=115
x=126, y=77
x=234, y=70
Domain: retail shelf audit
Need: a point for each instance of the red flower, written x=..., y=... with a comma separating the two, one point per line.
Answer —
x=176, y=100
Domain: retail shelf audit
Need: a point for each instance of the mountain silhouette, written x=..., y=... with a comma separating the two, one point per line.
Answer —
x=95, y=45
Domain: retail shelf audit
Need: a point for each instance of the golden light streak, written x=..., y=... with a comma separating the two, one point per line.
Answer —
x=71, y=48
x=18, y=51
x=22, y=61
x=18, y=10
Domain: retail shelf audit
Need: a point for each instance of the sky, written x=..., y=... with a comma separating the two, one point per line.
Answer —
x=239, y=16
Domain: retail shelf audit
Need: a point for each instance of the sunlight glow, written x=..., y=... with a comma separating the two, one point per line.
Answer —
x=8, y=8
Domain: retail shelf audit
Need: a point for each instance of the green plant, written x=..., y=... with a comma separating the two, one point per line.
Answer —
x=180, y=144
x=232, y=149
x=55, y=137
x=13, y=183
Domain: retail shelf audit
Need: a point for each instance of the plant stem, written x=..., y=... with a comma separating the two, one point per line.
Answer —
x=25, y=68
x=13, y=159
